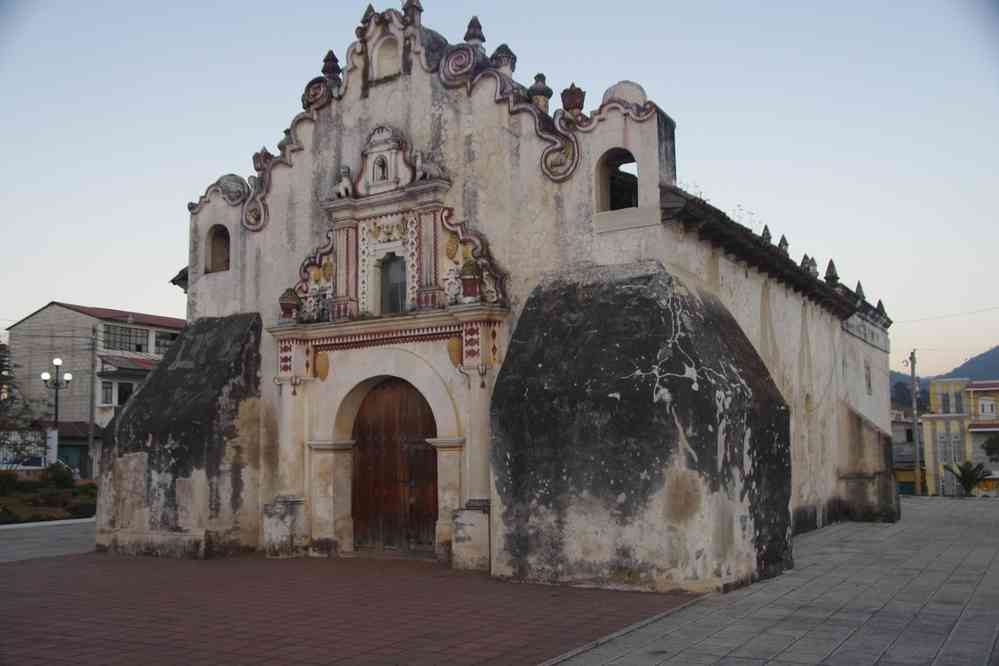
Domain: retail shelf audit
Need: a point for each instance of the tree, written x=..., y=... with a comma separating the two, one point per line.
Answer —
x=991, y=448
x=968, y=475
x=20, y=439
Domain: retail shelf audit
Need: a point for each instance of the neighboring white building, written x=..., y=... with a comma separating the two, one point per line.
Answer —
x=129, y=344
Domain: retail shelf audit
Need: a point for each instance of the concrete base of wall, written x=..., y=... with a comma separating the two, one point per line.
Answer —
x=285, y=527
x=470, y=545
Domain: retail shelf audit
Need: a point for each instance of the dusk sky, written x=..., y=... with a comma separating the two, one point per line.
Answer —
x=864, y=131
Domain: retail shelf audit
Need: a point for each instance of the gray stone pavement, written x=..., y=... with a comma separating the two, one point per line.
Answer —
x=64, y=537
x=922, y=591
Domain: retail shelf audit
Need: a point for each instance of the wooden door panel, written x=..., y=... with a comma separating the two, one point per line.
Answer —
x=395, y=470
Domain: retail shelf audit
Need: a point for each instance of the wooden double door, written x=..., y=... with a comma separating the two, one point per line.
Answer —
x=394, y=485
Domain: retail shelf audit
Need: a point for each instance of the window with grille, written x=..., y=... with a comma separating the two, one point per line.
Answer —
x=126, y=338
x=107, y=393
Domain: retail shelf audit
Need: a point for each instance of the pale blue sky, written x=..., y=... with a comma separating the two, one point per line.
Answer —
x=865, y=131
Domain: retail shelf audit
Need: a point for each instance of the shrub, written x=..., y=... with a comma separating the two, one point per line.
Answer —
x=59, y=476
x=55, y=497
x=87, y=490
x=82, y=509
x=29, y=486
x=8, y=482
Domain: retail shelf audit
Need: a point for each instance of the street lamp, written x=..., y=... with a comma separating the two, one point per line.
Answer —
x=53, y=381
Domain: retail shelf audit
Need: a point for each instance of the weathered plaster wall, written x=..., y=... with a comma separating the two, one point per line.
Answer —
x=179, y=466
x=637, y=439
x=818, y=367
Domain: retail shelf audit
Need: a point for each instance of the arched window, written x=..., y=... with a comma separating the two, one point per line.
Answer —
x=381, y=169
x=387, y=58
x=393, y=278
x=617, y=180
x=218, y=249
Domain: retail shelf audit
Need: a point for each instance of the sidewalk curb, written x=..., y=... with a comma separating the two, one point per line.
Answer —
x=49, y=523
x=617, y=634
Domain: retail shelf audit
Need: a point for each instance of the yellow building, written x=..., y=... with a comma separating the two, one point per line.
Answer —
x=963, y=415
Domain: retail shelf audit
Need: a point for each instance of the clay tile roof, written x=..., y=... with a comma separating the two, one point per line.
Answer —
x=127, y=317
x=129, y=363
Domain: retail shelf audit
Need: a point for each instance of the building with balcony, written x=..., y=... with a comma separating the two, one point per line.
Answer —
x=129, y=344
x=961, y=419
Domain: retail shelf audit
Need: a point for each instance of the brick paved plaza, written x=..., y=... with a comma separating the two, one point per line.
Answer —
x=99, y=609
x=922, y=591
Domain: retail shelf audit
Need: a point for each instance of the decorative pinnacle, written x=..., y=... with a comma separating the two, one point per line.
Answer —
x=783, y=245
x=832, y=277
x=331, y=66
x=860, y=291
x=474, y=33
x=573, y=98
x=767, y=238
x=804, y=261
x=369, y=13
x=411, y=6
x=503, y=57
x=540, y=88
x=881, y=309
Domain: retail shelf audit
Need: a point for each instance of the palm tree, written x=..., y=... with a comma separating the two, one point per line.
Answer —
x=968, y=475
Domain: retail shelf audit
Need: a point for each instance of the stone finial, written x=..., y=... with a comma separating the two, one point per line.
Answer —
x=832, y=277
x=474, y=33
x=331, y=67
x=804, y=261
x=783, y=245
x=290, y=303
x=860, y=291
x=881, y=309
x=262, y=160
x=412, y=9
x=813, y=267
x=573, y=98
x=767, y=238
x=369, y=14
x=540, y=93
x=504, y=59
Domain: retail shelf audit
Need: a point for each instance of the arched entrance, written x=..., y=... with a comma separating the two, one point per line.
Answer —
x=394, y=489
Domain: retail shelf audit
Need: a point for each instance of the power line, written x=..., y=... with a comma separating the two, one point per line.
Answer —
x=948, y=316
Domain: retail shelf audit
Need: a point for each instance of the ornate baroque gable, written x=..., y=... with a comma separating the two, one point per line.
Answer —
x=458, y=66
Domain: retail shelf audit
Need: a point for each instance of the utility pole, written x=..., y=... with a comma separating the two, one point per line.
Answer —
x=93, y=399
x=915, y=422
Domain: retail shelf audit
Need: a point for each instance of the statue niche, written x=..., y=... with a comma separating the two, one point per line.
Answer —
x=384, y=164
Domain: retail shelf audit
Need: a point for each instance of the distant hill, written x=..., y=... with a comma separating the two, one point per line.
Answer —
x=983, y=366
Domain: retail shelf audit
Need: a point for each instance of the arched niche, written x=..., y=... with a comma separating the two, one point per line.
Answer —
x=218, y=247
x=387, y=59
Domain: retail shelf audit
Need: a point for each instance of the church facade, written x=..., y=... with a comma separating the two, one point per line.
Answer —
x=443, y=321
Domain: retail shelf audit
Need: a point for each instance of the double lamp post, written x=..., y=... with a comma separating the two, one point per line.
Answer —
x=56, y=383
